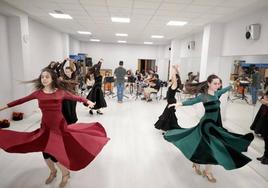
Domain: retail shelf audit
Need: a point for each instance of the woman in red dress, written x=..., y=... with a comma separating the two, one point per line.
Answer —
x=71, y=147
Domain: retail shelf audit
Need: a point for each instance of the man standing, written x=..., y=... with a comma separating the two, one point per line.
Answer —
x=120, y=73
x=255, y=85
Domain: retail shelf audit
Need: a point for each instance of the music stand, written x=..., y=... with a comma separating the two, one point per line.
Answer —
x=162, y=84
x=243, y=84
x=138, y=88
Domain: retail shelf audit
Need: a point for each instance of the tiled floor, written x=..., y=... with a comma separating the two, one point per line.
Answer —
x=137, y=155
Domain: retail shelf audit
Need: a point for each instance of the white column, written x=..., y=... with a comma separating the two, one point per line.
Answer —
x=175, y=52
x=163, y=56
x=19, y=57
x=66, y=45
x=211, y=50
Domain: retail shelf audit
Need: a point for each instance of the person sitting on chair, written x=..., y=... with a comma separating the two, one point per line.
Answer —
x=154, y=86
x=130, y=81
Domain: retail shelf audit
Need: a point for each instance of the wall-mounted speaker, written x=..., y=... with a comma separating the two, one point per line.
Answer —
x=191, y=45
x=88, y=61
x=253, y=32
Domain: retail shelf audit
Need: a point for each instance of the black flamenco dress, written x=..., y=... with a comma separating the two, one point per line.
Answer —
x=209, y=143
x=168, y=119
x=260, y=126
x=260, y=123
x=69, y=108
x=96, y=94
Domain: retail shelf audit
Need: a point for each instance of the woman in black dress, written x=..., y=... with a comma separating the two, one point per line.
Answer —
x=96, y=94
x=69, y=106
x=259, y=126
x=168, y=119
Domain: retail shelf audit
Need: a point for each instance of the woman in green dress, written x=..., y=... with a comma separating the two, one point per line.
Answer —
x=208, y=143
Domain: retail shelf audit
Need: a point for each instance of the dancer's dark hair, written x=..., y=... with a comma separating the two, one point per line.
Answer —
x=201, y=87
x=57, y=83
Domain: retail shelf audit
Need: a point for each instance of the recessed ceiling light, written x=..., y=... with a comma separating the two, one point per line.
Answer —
x=120, y=20
x=95, y=40
x=122, y=41
x=176, y=23
x=60, y=16
x=148, y=43
x=84, y=32
x=121, y=34
x=157, y=36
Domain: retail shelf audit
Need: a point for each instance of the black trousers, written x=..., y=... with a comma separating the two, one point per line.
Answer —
x=48, y=156
x=265, y=146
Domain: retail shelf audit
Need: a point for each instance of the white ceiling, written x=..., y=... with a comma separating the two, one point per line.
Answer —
x=148, y=17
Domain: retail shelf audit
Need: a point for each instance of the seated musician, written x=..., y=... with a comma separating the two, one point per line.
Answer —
x=130, y=81
x=154, y=86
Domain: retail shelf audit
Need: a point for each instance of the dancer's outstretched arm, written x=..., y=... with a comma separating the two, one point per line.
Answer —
x=188, y=102
x=3, y=108
x=20, y=101
x=223, y=90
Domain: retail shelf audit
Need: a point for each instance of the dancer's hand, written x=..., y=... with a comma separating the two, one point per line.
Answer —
x=3, y=108
x=90, y=104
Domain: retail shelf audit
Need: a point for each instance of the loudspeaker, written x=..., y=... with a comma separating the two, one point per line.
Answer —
x=88, y=61
x=191, y=45
x=253, y=32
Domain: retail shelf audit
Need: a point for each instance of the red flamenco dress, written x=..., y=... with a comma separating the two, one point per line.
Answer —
x=74, y=146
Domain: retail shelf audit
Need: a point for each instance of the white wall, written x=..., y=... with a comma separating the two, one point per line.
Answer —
x=46, y=45
x=175, y=53
x=5, y=73
x=113, y=53
x=235, y=42
x=196, y=52
x=26, y=46
x=211, y=50
x=163, y=58
x=189, y=60
x=74, y=46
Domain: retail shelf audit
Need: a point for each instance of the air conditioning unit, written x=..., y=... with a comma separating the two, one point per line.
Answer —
x=191, y=45
x=253, y=32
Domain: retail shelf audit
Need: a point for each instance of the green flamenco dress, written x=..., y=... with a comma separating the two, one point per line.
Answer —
x=209, y=143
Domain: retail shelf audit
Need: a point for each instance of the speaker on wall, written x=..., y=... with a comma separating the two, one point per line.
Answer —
x=88, y=61
x=191, y=45
x=253, y=32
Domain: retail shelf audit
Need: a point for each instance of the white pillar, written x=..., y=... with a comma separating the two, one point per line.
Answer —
x=175, y=53
x=211, y=50
x=66, y=45
x=19, y=58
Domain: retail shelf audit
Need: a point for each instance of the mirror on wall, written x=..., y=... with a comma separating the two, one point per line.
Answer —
x=246, y=73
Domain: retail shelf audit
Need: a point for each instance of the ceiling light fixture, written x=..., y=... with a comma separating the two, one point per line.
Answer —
x=120, y=20
x=177, y=23
x=122, y=41
x=121, y=34
x=84, y=32
x=157, y=36
x=60, y=16
x=95, y=40
x=148, y=43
